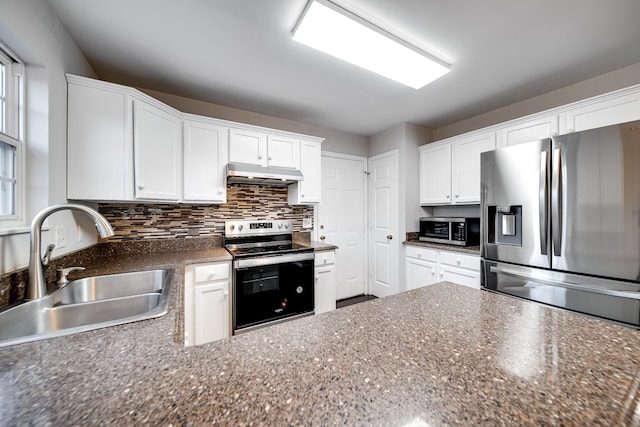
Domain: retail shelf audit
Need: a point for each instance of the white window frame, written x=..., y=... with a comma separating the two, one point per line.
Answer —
x=12, y=133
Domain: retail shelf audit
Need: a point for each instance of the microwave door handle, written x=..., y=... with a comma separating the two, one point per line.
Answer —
x=556, y=202
x=543, y=202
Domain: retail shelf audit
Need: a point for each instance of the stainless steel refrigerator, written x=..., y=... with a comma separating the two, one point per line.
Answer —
x=561, y=221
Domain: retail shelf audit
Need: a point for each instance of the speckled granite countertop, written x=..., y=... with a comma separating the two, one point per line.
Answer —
x=439, y=355
x=319, y=246
x=474, y=250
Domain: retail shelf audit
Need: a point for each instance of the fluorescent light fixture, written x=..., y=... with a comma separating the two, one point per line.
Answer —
x=331, y=29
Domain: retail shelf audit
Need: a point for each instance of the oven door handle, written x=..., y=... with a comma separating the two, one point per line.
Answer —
x=270, y=260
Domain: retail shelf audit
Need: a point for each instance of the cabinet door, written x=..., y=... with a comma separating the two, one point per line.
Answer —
x=435, y=175
x=309, y=189
x=283, y=152
x=99, y=144
x=529, y=130
x=466, y=166
x=205, y=156
x=211, y=312
x=461, y=276
x=605, y=111
x=325, y=289
x=246, y=146
x=419, y=273
x=157, y=141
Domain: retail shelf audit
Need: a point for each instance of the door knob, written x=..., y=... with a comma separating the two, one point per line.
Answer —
x=389, y=237
x=322, y=237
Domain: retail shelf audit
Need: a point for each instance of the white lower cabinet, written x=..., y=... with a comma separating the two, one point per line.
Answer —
x=325, y=281
x=425, y=266
x=421, y=267
x=207, y=302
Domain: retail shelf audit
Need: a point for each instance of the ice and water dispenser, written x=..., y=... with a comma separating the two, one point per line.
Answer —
x=504, y=225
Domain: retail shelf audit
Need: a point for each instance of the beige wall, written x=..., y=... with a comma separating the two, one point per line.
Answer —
x=619, y=79
x=335, y=141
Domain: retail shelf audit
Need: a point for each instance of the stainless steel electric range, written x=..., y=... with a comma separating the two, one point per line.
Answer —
x=272, y=275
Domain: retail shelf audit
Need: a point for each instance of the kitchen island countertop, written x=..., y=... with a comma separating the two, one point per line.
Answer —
x=439, y=355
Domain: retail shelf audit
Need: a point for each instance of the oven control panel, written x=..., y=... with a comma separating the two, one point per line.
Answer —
x=258, y=227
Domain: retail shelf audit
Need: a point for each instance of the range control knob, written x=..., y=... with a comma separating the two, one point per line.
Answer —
x=232, y=227
x=279, y=226
x=286, y=226
x=240, y=227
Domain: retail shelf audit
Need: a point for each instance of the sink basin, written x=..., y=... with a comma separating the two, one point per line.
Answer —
x=86, y=304
x=110, y=286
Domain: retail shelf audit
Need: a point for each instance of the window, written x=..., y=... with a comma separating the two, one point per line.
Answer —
x=11, y=137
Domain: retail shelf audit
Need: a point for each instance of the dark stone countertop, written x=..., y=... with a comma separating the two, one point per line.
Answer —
x=473, y=250
x=319, y=246
x=439, y=355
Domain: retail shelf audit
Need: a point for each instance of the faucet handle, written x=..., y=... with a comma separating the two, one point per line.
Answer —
x=63, y=272
x=47, y=255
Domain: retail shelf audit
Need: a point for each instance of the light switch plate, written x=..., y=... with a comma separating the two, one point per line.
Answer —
x=60, y=237
x=307, y=222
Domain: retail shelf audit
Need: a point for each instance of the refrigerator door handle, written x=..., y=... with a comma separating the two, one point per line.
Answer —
x=551, y=282
x=556, y=202
x=544, y=188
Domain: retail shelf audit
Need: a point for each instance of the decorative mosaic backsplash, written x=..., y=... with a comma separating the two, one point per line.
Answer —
x=162, y=221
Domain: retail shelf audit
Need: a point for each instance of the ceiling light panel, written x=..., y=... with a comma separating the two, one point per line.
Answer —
x=333, y=30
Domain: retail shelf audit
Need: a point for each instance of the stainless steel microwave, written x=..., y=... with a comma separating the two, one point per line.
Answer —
x=451, y=231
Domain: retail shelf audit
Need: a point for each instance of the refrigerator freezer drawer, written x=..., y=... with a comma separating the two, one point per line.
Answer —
x=608, y=299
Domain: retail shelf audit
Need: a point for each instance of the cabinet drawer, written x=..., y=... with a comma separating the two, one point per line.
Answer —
x=325, y=258
x=211, y=272
x=457, y=259
x=426, y=254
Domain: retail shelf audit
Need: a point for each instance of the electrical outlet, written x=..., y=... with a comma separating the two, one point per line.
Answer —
x=80, y=234
x=61, y=237
x=307, y=222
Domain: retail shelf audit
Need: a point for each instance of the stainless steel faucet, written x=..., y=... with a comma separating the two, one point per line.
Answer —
x=36, y=283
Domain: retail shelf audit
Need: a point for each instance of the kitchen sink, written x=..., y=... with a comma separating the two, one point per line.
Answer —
x=86, y=304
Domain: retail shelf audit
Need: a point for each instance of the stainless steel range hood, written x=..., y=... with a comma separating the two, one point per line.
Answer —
x=241, y=173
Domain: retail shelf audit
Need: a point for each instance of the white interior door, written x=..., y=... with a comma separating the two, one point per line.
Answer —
x=384, y=247
x=342, y=218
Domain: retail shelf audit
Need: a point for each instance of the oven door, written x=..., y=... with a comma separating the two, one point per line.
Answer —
x=271, y=288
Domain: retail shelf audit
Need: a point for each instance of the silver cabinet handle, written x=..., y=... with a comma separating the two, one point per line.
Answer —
x=556, y=202
x=544, y=189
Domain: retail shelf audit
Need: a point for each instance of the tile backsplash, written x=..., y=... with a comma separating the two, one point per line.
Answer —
x=162, y=221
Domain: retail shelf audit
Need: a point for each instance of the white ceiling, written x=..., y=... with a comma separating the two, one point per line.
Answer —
x=239, y=53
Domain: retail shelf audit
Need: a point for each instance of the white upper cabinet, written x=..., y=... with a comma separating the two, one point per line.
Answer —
x=263, y=149
x=247, y=146
x=157, y=142
x=283, y=152
x=205, y=156
x=618, y=107
x=125, y=146
x=530, y=129
x=99, y=143
x=308, y=190
x=465, y=180
x=450, y=170
x=435, y=174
